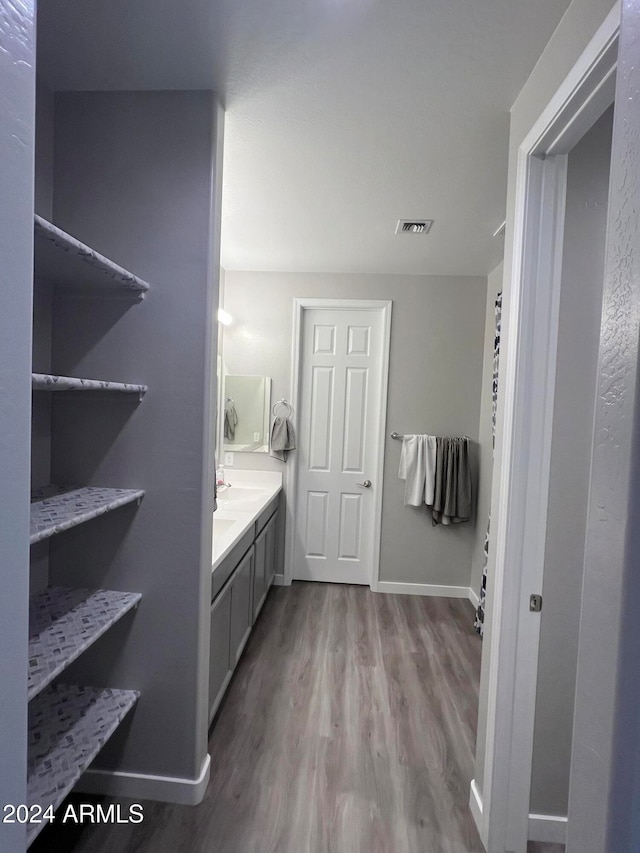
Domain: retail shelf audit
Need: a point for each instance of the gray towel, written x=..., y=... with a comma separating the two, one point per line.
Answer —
x=452, y=493
x=230, y=420
x=283, y=438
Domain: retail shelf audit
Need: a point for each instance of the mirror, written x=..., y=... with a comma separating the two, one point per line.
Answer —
x=246, y=402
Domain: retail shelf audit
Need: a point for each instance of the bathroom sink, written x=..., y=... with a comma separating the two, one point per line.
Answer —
x=222, y=525
x=240, y=494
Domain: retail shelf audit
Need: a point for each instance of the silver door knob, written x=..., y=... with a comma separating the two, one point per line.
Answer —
x=366, y=484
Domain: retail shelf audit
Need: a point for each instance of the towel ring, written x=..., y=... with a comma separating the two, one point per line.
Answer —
x=286, y=403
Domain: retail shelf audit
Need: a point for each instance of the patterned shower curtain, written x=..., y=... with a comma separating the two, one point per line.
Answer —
x=479, y=620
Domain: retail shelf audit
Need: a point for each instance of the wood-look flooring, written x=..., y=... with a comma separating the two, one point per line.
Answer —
x=349, y=727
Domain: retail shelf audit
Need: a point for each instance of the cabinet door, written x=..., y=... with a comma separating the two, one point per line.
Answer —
x=219, y=667
x=241, y=594
x=270, y=562
x=260, y=573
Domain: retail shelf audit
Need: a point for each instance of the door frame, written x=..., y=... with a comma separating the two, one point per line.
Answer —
x=527, y=386
x=301, y=305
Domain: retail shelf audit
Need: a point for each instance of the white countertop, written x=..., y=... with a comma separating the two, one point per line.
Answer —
x=239, y=505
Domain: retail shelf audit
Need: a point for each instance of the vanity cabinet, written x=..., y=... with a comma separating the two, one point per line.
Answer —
x=239, y=587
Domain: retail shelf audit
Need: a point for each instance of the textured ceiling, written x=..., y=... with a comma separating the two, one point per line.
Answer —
x=342, y=116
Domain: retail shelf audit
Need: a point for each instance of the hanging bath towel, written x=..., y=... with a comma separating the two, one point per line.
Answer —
x=417, y=468
x=283, y=438
x=452, y=493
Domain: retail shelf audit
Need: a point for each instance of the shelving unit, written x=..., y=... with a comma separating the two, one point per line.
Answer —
x=63, y=623
x=68, y=726
x=58, y=508
x=63, y=261
x=131, y=179
x=51, y=382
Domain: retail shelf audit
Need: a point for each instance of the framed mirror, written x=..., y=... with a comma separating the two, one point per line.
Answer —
x=245, y=407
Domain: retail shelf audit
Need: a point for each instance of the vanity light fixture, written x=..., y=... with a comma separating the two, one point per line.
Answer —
x=224, y=317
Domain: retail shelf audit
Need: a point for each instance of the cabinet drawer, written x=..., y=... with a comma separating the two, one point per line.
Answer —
x=267, y=512
x=227, y=567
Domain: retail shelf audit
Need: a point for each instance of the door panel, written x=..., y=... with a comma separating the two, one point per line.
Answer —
x=340, y=430
x=354, y=427
x=321, y=419
x=349, y=539
x=219, y=663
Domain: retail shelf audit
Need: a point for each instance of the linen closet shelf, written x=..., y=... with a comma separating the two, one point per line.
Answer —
x=51, y=382
x=68, y=726
x=61, y=259
x=63, y=623
x=58, y=508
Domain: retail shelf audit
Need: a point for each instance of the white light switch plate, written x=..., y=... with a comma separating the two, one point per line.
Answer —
x=256, y=436
x=228, y=458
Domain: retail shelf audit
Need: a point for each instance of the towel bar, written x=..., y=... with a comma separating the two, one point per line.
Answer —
x=399, y=437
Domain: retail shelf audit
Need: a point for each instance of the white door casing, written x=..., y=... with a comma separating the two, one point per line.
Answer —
x=501, y=803
x=341, y=352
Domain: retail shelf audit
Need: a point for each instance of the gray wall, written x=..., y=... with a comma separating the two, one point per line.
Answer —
x=45, y=119
x=435, y=377
x=136, y=177
x=17, y=102
x=485, y=433
x=574, y=404
x=572, y=35
x=605, y=769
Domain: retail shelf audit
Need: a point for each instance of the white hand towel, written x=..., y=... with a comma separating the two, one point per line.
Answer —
x=413, y=469
x=430, y=469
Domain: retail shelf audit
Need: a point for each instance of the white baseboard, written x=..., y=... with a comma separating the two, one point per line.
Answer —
x=423, y=589
x=139, y=786
x=548, y=829
x=475, y=805
x=473, y=598
x=278, y=580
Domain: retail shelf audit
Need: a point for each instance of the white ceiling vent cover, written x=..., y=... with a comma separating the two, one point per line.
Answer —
x=414, y=226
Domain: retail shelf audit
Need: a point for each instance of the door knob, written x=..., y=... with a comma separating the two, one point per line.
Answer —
x=366, y=484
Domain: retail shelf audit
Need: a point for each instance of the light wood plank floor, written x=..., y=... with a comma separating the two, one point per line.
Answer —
x=349, y=727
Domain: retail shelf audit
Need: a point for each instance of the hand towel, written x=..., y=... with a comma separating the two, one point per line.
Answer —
x=283, y=438
x=430, y=469
x=230, y=420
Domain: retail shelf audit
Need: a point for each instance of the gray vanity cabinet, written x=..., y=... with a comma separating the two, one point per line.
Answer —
x=241, y=607
x=220, y=667
x=239, y=587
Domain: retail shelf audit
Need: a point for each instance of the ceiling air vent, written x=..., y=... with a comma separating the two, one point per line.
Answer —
x=414, y=226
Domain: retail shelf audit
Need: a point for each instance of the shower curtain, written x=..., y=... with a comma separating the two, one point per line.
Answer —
x=479, y=620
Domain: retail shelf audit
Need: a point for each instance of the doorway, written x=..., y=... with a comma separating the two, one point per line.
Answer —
x=524, y=441
x=341, y=365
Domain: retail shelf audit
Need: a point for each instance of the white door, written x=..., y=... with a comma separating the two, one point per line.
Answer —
x=342, y=372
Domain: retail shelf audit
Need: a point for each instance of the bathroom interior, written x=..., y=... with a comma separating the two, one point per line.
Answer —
x=283, y=653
